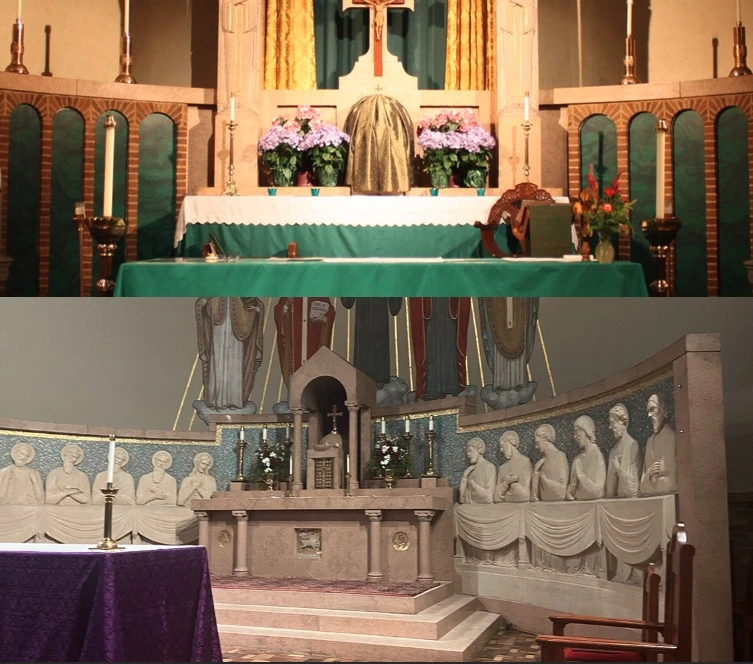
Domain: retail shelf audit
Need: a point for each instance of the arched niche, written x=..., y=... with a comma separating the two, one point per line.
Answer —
x=24, y=189
x=67, y=187
x=598, y=147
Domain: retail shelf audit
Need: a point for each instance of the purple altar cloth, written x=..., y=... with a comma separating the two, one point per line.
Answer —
x=63, y=603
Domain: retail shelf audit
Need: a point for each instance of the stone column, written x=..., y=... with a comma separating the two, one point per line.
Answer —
x=353, y=409
x=524, y=560
x=203, y=518
x=375, y=545
x=424, y=545
x=241, y=543
x=297, y=447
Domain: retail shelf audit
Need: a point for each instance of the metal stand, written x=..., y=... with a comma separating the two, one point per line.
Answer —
x=629, y=77
x=408, y=437
x=107, y=232
x=107, y=543
x=230, y=189
x=526, y=162
x=661, y=234
x=430, y=436
x=240, y=449
x=126, y=60
x=741, y=53
x=16, y=65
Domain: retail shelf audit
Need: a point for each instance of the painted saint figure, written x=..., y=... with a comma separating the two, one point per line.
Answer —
x=67, y=485
x=20, y=484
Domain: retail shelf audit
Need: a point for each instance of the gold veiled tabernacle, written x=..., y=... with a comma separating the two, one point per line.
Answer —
x=380, y=159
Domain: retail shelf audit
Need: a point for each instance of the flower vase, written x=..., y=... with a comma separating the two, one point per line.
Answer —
x=452, y=181
x=303, y=179
x=282, y=177
x=604, y=251
x=326, y=177
x=475, y=178
x=439, y=180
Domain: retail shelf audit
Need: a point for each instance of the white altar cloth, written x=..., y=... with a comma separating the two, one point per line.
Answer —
x=333, y=210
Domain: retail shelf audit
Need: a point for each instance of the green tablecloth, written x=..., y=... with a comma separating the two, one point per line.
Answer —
x=479, y=277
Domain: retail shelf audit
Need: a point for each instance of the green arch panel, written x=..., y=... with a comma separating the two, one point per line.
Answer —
x=119, y=183
x=66, y=188
x=734, y=202
x=642, y=154
x=690, y=204
x=24, y=162
x=157, y=185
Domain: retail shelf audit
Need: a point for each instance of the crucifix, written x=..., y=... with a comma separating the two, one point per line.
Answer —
x=334, y=415
x=379, y=12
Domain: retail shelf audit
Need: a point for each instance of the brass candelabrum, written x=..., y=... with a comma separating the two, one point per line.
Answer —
x=740, y=52
x=107, y=543
x=107, y=232
x=240, y=450
x=408, y=437
x=527, y=126
x=630, y=77
x=16, y=65
x=661, y=234
x=347, y=485
x=230, y=188
x=430, y=472
x=126, y=60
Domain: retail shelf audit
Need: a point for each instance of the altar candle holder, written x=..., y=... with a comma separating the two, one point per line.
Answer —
x=269, y=481
x=408, y=437
x=347, y=485
x=240, y=449
x=16, y=65
x=740, y=52
x=107, y=232
x=430, y=436
x=107, y=543
x=661, y=234
x=289, y=489
x=527, y=126
x=230, y=188
x=630, y=62
x=126, y=60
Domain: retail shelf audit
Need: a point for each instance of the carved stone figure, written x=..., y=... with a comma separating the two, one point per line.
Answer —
x=68, y=485
x=624, y=465
x=158, y=487
x=588, y=473
x=659, y=464
x=199, y=483
x=121, y=480
x=550, y=473
x=230, y=339
x=478, y=481
x=508, y=330
x=514, y=476
x=20, y=484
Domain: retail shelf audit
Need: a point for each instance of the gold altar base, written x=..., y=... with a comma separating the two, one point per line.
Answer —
x=630, y=77
x=16, y=65
x=661, y=234
x=106, y=232
x=126, y=60
x=740, y=52
x=107, y=543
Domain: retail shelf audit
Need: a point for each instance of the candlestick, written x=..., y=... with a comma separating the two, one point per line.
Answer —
x=383, y=430
x=526, y=158
x=740, y=52
x=407, y=437
x=230, y=188
x=18, y=11
x=661, y=234
x=107, y=232
x=16, y=65
x=431, y=422
x=291, y=465
x=289, y=490
x=661, y=160
x=629, y=61
x=527, y=108
x=111, y=459
x=629, y=17
x=126, y=58
x=240, y=449
x=347, y=485
x=109, y=165
x=407, y=424
x=430, y=472
x=264, y=432
x=347, y=463
x=107, y=543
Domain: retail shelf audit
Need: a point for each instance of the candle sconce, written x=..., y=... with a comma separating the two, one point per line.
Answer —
x=16, y=65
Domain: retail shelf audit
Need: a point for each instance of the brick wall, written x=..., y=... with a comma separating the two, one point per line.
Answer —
x=741, y=542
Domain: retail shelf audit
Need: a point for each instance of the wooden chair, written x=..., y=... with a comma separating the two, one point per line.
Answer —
x=742, y=619
x=676, y=629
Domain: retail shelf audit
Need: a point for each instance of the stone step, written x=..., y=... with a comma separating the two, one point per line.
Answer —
x=460, y=644
x=334, y=600
x=432, y=623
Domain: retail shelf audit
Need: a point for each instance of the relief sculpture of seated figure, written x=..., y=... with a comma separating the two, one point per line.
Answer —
x=659, y=465
x=158, y=487
x=20, y=484
x=67, y=485
x=478, y=481
x=514, y=476
x=550, y=472
x=588, y=474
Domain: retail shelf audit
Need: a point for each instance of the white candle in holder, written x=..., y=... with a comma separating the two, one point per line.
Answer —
x=264, y=432
x=629, y=18
x=347, y=463
x=242, y=434
x=431, y=422
x=527, y=108
x=20, y=2
x=291, y=465
x=661, y=161
x=232, y=107
x=126, y=17
x=384, y=430
x=407, y=424
x=109, y=166
x=287, y=431
x=111, y=459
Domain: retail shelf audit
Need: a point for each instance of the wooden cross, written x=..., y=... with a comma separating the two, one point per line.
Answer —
x=379, y=22
x=334, y=415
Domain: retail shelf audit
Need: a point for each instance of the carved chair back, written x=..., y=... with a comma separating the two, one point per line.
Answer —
x=510, y=202
x=678, y=594
x=651, y=583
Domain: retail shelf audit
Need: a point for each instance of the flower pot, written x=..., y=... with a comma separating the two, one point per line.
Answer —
x=604, y=251
x=303, y=179
x=282, y=177
x=439, y=179
x=475, y=178
x=326, y=177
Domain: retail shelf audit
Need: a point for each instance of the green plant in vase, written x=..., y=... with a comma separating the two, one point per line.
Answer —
x=272, y=461
x=326, y=149
x=391, y=454
x=280, y=153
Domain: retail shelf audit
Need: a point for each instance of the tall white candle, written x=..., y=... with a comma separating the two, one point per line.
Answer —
x=20, y=2
x=739, y=11
x=242, y=434
x=431, y=422
x=109, y=166
x=111, y=459
x=661, y=160
x=347, y=463
x=127, y=17
x=287, y=431
x=232, y=107
x=527, y=108
x=407, y=424
x=384, y=430
x=629, y=17
x=291, y=465
x=264, y=432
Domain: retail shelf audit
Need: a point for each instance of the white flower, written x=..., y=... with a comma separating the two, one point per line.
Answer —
x=273, y=455
x=385, y=461
x=395, y=448
x=266, y=460
x=385, y=448
x=267, y=470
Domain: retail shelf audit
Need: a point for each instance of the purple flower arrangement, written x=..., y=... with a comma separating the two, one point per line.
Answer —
x=326, y=148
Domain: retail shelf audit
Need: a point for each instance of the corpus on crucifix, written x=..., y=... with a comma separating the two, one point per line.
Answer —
x=380, y=19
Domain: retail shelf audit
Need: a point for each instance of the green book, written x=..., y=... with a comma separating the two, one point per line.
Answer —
x=550, y=227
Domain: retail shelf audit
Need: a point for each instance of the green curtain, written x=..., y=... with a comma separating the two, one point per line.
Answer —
x=417, y=38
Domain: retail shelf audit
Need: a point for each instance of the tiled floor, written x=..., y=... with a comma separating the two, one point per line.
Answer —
x=504, y=646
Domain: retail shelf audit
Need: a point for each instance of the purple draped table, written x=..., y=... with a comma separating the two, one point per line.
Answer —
x=65, y=603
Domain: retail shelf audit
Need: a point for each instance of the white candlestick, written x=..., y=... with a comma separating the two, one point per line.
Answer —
x=232, y=107
x=127, y=17
x=384, y=430
x=629, y=18
x=661, y=160
x=18, y=13
x=109, y=166
x=264, y=432
x=527, y=108
x=347, y=463
x=242, y=434
x=407, y=424
x=111, y=459
x=431, y=422
x=739, y=11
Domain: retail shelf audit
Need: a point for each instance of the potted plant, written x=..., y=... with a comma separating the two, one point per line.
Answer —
x=607, y=214
x=272, y=463
x=279, y=150
x=326, y=148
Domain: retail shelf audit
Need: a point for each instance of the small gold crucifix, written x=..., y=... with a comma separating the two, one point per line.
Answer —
x=334, y=415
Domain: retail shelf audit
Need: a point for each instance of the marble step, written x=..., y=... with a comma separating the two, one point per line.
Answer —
x=334, y=600
x=460, y=644
x=432, y=623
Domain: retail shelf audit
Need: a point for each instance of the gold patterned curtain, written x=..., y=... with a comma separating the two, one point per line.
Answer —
x=471, y=47
x=290, y=58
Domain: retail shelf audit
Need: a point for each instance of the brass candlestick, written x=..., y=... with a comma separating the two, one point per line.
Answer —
x=347, y=485
x=526, y=161
x=107, y=232
x=269, y=481
x=240, y=449
x=661, y=234
x=430, y=436
x=107, y=543
x=740, y=51
x=407, y=437
x=629, y=61
x=389, y=478
x=126, y=60
x=289, y=490
x=16, y=65
x=230, y=189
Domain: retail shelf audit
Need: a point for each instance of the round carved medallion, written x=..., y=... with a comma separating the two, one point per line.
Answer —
x=224, y=538
x=400, y=541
